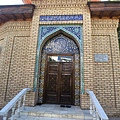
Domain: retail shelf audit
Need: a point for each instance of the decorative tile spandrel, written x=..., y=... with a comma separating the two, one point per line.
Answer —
x=76, y=30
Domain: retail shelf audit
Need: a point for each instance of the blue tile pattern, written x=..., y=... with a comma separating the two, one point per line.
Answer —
x=60, y=44
x=46, y=30
x=61, y=17
x=75, y=30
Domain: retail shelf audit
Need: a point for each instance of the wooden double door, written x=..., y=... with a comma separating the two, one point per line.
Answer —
x=59, y=82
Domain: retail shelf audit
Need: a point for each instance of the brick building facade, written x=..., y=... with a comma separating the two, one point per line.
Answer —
x=83, y=33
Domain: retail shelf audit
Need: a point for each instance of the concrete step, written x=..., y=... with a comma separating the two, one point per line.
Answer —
x=87, y=115
x=53, y=112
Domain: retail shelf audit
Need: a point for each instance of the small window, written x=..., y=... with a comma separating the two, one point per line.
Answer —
x=60, y=58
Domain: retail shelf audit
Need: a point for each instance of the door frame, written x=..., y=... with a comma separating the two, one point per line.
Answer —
x=45, y=76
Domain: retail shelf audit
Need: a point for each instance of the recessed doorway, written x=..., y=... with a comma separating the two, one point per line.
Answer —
x=59, y=78
x=59, y=86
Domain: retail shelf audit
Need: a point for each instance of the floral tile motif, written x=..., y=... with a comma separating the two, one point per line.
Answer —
x=46, y=30
x=76, y=30
x=41, y=81
x=59, y=45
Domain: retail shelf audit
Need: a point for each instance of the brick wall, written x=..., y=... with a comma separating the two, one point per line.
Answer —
x=106, y=75
x=14, y=64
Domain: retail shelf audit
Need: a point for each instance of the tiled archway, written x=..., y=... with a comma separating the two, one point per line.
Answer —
x=45, y=33
x=61, y=44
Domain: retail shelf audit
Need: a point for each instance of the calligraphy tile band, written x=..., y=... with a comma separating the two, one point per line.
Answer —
x=61, y=17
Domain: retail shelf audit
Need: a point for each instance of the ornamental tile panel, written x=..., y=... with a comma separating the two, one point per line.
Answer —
x=46, y=30
x=61, y=17
x=75, y=30
x=59, y=45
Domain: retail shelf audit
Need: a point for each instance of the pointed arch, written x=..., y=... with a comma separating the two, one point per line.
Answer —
x=55, y=33
x=48, y=31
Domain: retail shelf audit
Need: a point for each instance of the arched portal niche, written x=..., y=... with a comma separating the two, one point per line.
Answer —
x=64, y=49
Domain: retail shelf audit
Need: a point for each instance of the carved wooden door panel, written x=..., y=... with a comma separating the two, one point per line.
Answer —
x=59, y=83
x=52, y=82
x=66, y=82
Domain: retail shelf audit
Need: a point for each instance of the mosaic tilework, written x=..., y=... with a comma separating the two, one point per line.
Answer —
x=77, y=79
x=41, y=81
x=61, y=17
x=46, y=30
x=74, y=30
x=60, y=44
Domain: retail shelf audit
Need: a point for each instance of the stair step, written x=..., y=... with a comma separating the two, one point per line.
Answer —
x=24, y=117
x=43, y=118
x=54, y=115
x=53, y=112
